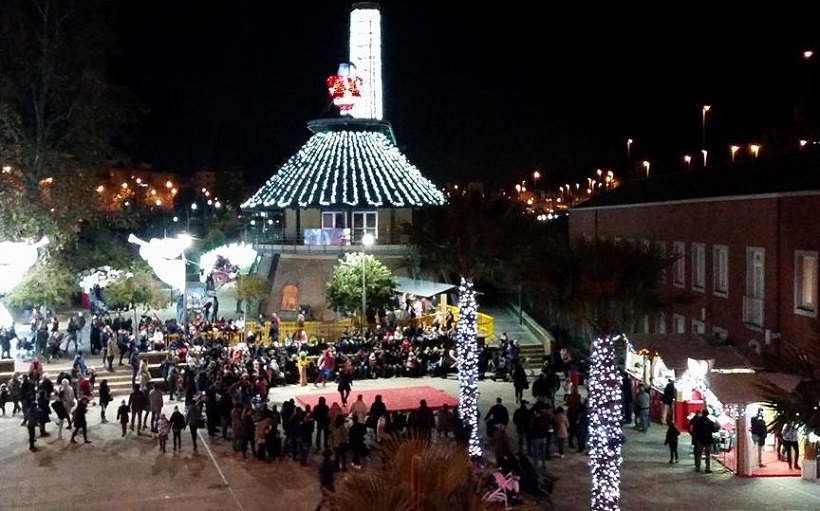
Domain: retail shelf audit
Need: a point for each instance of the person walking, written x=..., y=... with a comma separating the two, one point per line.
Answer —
x=156, y=402
x=80, y=422
x=521, y=419
x=105, y=398
x=671, y=440
x=122, y=416
x=641, y=405
x=701, y=428
x=520, y=382
x=163, y=429
x=345, y=383
x=194, y=420
x=326, y=474
x=321, y=414
x=177, y=421
x=668, y=400
x=759, y=432
x=32, y=417
x=356, y=437
x=138, y=402
x=790, y=436
x=340, y=440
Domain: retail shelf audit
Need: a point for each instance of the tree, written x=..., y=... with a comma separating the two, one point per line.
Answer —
x=605, y=287
x=46, y=283
x=60, y=118
x=476, y=238
x=344, y=291
x=138, y=289
x=250, y=287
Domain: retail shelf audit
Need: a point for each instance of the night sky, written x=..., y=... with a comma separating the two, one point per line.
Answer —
x=478, y=91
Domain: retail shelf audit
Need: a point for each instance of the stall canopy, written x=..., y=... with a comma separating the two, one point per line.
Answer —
x=742, y=388
x=676, y=349
x=422, y=288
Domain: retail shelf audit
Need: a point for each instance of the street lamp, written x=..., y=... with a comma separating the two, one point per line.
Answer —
x=705, y=154
x=628, y=147
x=688, y=161
x=185, y=241
x=535, y=176
x=193, y=208
x=367, y=240
x=646, y=166
x=755, y=148
x=703, y=124
x=734, y=149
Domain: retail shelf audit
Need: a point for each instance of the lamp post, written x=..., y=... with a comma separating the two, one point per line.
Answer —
x=688, y=161
x=705, y=154
x=628, y=153
x=646, y=166
x=367, y=240
x=185, y=243
x=703, y=126
x=807, y=55
x=535, y=176
x=755, y=148
x=734, y=149
x=193, y=208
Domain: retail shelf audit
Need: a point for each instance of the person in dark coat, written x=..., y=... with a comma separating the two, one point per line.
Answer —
x=177, y=421
x=122, y=416
x=425, y=420
x=356, y=437
x=32, y=417
x=671, y=440
x=520, y=382
x=377, y=409
x=668, y=400
x=521, y=419
x=105, y=398
x=627, y=396
x=498, y=414
x=701, y=428
x=345, y=382
x=80, y=422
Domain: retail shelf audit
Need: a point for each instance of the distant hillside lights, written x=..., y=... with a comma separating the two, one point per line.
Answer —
x=137, y=191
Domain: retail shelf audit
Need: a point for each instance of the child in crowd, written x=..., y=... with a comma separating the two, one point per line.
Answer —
x=671, y=440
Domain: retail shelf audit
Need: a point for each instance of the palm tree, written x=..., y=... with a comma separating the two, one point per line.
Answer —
x=417, y=475
x=604, y=288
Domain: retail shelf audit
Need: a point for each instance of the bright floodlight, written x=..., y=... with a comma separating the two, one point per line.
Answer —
x=367, y=239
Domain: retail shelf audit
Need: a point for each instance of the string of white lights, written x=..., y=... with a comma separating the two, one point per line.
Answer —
x=354, y=168
x=467, y=352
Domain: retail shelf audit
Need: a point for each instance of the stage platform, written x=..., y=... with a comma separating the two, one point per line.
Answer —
x=396, y=399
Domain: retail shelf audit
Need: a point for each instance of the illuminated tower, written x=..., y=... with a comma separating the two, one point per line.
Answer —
x=366, y=56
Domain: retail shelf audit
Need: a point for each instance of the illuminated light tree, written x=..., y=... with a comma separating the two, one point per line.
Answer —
x=605, y=287
x=467, y=350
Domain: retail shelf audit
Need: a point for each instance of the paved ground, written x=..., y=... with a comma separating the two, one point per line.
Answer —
x=130, y=474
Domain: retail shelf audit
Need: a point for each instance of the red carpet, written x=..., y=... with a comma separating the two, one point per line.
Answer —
x=398, y=399
x=773, y=468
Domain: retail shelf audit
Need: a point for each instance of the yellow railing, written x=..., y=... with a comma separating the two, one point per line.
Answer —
x=331, y=331
x=486, y=323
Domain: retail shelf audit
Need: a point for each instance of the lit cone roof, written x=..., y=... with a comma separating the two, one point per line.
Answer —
x=350, y=163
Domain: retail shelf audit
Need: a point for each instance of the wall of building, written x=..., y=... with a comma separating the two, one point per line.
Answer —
x=735, y=223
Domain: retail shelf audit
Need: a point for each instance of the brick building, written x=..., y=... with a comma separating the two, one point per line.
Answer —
x=748, y=237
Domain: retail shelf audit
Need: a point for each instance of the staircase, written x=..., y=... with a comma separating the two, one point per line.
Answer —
x=532, y=357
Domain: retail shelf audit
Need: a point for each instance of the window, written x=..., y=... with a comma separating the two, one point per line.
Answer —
x=679, y=266
x=678, y=324
x=805, y=283
x=364, y=222
x=660, y=323
x=755, y=287
x=333, y=220
x=698, y=327
x=661, y=246
x=698, y=266
x=720, y=270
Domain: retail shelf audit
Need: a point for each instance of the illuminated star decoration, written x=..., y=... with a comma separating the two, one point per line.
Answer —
x=467, y=350
x=605, y=429
x=354, y=164
x=344, y=88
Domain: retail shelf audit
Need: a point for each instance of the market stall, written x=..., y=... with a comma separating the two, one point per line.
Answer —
x=685, y=359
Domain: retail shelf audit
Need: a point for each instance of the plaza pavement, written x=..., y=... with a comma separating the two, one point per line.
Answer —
x=130, y=474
